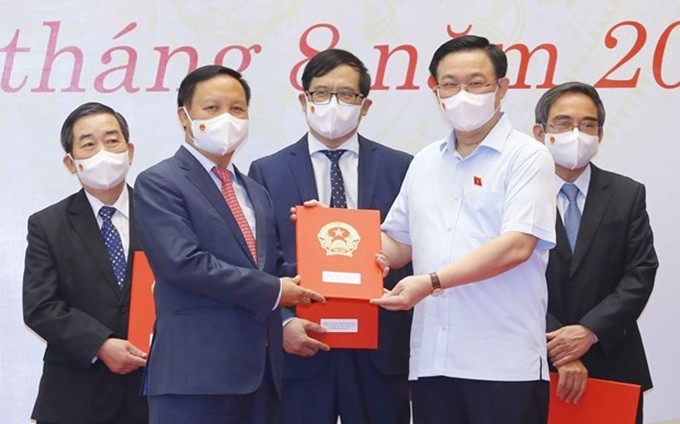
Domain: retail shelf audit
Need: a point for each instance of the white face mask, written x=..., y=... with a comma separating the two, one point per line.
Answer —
x=103, y=170
x=468, y=112
x=572, y=149
x=219, y=135
x=333, y=120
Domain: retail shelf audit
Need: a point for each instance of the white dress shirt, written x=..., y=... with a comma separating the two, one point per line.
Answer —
x=448, y=206
x=349, y=166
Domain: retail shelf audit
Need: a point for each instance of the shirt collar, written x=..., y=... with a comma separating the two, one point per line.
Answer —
x=205, y=162
x=582, y=182
x=495, y=139
x=352, y=144
x=122, y=205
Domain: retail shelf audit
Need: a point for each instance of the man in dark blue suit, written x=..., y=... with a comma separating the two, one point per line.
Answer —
x=209, y=235
x=337, y=166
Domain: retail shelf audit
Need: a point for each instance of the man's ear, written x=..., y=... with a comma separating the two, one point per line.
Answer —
x=539, y=134
x=183, y=118
x=303, y=102
x=503, y=85
x=69, y=164
x=365, y=106
x=131, y=152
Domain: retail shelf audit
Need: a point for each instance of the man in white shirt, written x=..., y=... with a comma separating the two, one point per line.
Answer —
x=476, y=215
x=601, y=273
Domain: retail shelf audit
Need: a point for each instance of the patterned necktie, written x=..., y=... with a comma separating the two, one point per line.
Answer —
x=114, y=244
x=572, y=216
x=230, y=197
x=338, y=198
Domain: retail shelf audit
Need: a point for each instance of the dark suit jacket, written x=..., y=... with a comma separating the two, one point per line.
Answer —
x=289, y=177
x=213, y=302
x=71, y=299
x=605, y=285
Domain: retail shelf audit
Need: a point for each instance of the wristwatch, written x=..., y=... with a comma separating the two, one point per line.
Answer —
x=437, y=289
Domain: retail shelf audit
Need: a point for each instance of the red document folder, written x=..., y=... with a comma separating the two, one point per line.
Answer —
x=604, y=402
x=142, y=309
x=336, y=257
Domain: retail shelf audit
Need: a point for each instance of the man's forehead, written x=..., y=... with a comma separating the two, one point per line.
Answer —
x=341, y=74
x=466, y=62
x=99, y=121
x=572, y=103
x=219, y=85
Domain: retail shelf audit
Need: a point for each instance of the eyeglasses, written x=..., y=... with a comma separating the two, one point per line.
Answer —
x=344, y=97
x=449, y=89
x=587, y=126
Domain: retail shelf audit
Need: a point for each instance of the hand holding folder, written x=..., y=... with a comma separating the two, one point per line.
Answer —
x=336, y=257
x=604, y=402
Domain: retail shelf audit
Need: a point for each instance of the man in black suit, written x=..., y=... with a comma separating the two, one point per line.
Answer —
x=360, y=386
x=601, y=273
x=76, y=289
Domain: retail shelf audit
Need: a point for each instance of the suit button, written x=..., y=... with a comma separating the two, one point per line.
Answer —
x=123, y=309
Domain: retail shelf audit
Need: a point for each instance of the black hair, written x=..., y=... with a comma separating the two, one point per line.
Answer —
x=188, y=85
x=550, y=97
x=327, y=60
x=86, y=109
x=471, y=42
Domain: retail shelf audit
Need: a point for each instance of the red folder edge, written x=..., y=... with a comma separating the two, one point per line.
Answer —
x=604, y=402
x=142, y=307
x=341, y=304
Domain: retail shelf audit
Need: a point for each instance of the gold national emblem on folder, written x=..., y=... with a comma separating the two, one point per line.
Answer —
x=339, y=238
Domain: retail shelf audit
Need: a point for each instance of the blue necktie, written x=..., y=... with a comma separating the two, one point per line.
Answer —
x=114, y=244
x=572, y=216
x=338, y=198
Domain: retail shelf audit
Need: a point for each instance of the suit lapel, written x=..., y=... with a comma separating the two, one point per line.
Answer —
x=132, y=248
x=562, y=247
x=301, y=167
x=595, y=207
x=204, y=183
x=259, y=207
x=85, y=225
x=368, y=173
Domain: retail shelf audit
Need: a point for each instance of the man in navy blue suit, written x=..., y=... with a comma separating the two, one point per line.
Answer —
x=339, y=167
x=209, y=235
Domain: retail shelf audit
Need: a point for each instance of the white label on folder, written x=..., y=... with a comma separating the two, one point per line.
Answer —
x=337, y=277
x=340, y=325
